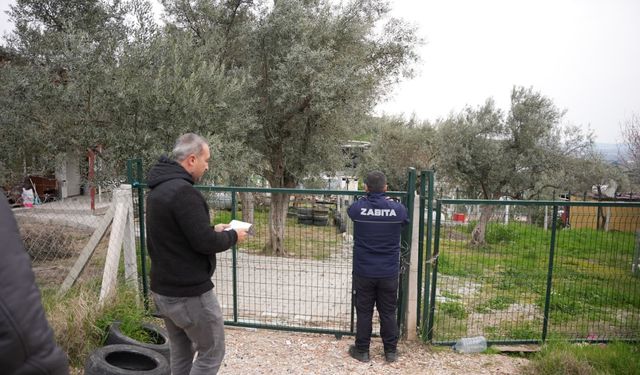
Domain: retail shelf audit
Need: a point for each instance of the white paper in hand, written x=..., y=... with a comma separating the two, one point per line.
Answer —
x=237, y=224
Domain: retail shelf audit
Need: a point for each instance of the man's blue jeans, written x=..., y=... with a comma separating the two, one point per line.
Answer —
x=194, y=324
x=383, y=293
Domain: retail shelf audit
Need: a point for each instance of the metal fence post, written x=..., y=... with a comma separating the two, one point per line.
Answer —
x=436, y=251
x=552, y=246
x=405, y=252
x=423, y=183
x=135, y=181
x=234, y=260
x=427, y=274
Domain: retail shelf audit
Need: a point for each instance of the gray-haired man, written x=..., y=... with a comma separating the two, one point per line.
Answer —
x=182, y=247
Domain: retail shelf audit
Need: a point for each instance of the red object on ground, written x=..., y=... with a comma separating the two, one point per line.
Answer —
x=458, y=217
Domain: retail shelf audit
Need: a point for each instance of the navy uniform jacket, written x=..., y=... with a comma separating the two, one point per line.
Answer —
x=378, y=221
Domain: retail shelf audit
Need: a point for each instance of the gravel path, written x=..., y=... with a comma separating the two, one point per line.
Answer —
x=252, y=351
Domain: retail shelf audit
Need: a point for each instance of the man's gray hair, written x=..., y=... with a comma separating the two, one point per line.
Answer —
x=186, y=145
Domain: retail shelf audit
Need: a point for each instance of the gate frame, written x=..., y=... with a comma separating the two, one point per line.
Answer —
x=135, y=177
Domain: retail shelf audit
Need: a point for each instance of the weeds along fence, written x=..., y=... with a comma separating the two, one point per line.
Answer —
x=544, y=270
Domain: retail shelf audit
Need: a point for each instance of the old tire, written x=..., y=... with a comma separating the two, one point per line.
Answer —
x=304, y=211
x=320, y=221
x=158, y=334
x=124, y=359
x=305, y=221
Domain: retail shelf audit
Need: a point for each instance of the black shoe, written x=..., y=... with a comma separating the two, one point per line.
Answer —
x=391, y=356
x=357, y=354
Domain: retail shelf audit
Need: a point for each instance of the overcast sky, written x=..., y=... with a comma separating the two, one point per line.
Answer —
x=583, y=54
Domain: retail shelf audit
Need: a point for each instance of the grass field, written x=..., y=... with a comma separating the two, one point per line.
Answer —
x=499, y=290
x=301, y=240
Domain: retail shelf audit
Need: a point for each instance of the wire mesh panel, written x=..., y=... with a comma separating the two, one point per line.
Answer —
x=490, y=285
x=304, y=284
x=510, y=272
x=596, y=293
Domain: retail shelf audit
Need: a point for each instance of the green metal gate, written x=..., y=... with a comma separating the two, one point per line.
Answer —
x=309, y=289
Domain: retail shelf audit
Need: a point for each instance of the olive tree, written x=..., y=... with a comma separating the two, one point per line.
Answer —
x=396, y=145
x=507, y=154
x=319, y=67
x=312, y=69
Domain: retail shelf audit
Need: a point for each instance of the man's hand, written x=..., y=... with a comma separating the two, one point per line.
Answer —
x=242, y=234
x=221, y=227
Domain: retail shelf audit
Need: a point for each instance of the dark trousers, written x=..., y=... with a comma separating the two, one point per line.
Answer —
x=383, y=293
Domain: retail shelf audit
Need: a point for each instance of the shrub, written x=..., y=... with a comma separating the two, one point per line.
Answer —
x=497, y=233
x=81, y=324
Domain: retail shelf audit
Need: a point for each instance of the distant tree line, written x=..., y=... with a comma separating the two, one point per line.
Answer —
x=275, y=86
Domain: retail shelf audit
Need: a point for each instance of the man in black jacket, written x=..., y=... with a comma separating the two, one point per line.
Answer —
x=27, y=344
x=182, y=248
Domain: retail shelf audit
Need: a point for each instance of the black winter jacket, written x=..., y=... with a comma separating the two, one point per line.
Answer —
x=27, y=343
x=182, y=243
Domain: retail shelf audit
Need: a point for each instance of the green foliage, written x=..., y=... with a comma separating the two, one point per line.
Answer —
x=515, y=154
x=495, y=303
x=450, y=295
x=396, y=145
x=468, y=228
x=497, y=233
x=81, y=324
x=558, y=358
x=72, y=318
x=127, y=309
x=455, y=310
x=526, y=331
x=222, y=217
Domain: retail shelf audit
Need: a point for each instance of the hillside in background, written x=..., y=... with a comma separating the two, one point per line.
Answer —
x=611, y=151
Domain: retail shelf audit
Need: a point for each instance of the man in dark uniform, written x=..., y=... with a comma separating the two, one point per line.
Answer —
x=378, y=222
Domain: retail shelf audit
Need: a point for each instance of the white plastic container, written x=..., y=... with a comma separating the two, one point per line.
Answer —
x=471, y=345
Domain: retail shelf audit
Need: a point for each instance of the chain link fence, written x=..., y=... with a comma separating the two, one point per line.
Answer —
x=55, y=232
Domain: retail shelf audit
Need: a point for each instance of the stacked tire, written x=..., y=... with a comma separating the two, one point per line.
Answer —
x=305, y=216
x=320, y=217
x=123, y=355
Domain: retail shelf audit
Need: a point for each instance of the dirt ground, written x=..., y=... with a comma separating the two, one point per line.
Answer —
x=260, y=351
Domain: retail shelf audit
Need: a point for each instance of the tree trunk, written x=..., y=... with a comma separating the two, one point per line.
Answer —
x=247, y=206
x=479, y=232
x=277, y=224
